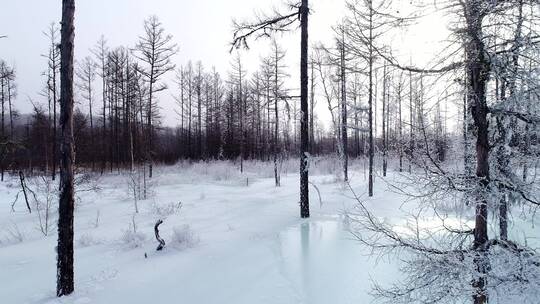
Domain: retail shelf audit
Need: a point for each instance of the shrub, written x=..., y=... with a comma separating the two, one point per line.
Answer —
x=184, y=237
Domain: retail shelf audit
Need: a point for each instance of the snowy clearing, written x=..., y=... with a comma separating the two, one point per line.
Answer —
x=231, y=238
x=245, y=244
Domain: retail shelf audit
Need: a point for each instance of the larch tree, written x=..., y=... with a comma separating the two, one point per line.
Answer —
x=7, y=94
x=53, y=66
x=366, y=24
x=279, y=93
x=238, y=77
x=156, y=49
x=343, y=104
x=463, y=262
x=100, y=51
x=280, y=23
x=86, y=73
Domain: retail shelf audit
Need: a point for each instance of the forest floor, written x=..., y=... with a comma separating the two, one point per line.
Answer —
x=231, y=238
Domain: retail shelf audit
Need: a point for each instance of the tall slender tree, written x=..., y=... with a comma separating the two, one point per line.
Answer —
x=155, y=49
x=53, y=65
x=64, y=277
x=280, y=23
x=100, y=51
x=86, y=74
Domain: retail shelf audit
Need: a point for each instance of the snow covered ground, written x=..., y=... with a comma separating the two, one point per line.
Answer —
x=235, y=239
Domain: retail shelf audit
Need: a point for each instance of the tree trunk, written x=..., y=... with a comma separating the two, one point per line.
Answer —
x=384, y=125
x=411, y=123
x=344, y=145
x=304, y=132
x=370, y=103
x=311, y=112
x=400, y=141
x=477, y=76
x=55, y=132
x=64, y=281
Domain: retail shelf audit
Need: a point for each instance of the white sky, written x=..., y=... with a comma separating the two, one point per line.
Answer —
x=202, y=29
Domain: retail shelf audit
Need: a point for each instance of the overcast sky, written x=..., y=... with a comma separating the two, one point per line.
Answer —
x=202, y=29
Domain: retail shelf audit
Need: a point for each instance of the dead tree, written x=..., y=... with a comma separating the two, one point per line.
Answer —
x=281, y=23
x=64, y=280
x=400, y=122
x=23, y=187
x=238, y=78
x=385, y=104
x=86, y=73
x=100, y=51
x=155, y=49
x=312, y=103
x=53, y=65
x=362, y=33
x=343, y=87
x=158, y=238
x=277, y=74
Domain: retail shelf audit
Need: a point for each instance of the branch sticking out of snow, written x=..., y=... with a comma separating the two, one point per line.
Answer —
x=158, y=238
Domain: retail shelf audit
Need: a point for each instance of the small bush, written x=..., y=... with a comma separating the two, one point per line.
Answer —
x=86, y=240
x=165, y=210
x=184, y=237
x=132, y=239
x=14, y=234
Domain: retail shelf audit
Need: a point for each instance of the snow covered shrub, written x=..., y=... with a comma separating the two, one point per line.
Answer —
x=139, y=187
x=86, y=181
x=327, y=165
x=217, y=171
x=14, y=234
x=131, y=238
x=86, y=240
x=39, y=194
x=221, y=171
x=165, y=210
x=184, y=237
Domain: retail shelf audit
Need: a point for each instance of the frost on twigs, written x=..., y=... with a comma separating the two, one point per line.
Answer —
x=165, y=210
x=184, y=237
x=439, y=261
x=513, y=273
x=131, y=238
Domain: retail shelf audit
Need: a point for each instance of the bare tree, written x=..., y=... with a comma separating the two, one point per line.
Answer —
x=100, y=51
x=64, y=283
x=281, y=23
x=279, y=95
x=155, y=49
x=86, y=73
x=343, y=104
x=53, y=66
x=7, y=94
x=457, y=263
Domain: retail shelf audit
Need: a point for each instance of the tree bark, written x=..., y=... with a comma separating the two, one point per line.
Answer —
x=304, y=132
x=370, y=101
x=65, y=284
x=384, y=125
x=477, y=77
x=344, y=145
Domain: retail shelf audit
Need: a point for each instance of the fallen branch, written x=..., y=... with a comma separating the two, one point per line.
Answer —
x=158, y=238
x=23, y=186
x=24, y=189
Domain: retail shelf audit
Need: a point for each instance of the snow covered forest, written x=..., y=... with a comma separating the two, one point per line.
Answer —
x=392, y=160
